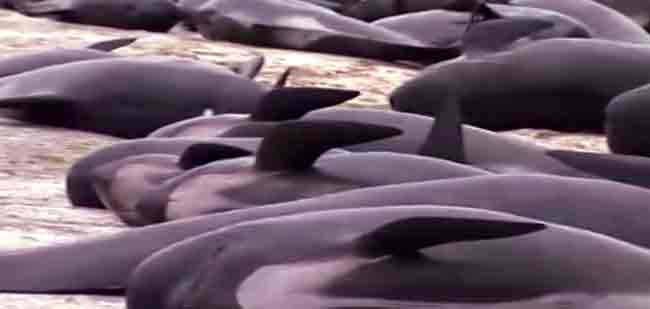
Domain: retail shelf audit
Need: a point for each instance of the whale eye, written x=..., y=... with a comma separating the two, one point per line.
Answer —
x=200, y=286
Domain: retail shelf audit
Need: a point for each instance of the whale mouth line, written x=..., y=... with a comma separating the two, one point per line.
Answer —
x=132, y=217
x=221, y=210
x=206, y=213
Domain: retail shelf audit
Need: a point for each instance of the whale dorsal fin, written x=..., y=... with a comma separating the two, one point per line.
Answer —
x=203, y=153
x=293, y=102
x=445, y=140
x=249, y=68
x=296, y=145
x=480, y=13
x=110, y=45
x=407, y=236
x=284, y=78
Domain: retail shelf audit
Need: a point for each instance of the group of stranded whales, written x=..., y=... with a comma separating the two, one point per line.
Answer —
x=185, y=179
x=144, y=94
x=497, y=56
x=357, y=27
x=311, y=248
x=282, y=198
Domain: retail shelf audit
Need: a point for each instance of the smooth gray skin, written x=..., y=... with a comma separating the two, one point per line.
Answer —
x=30, y=60
x=484, y=149
x=152, y=15
x=603, y=22
x=130, y=177
x=234, y=184
x=204, y=126
x=545, y=84
x=443, y=27
x=373, y=10
x=563, y=25
x=626, y=122
x=304, y=26
x=638, y=10
x=605, y=207
x=79, y=181
x=329, y=268
x=122, y=183
x=187, y=7
x=300, y=14
x=439, y=27
x=144, y=94
x=7, y=4
x=190, y=4
x=333, y=5
x=283, y=104
x=617, y=167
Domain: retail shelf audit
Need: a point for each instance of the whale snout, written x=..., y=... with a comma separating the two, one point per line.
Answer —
x=401, y=100
x=125, y=211
x=153, y=206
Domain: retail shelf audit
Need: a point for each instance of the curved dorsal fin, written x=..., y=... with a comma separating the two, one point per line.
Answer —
x=249, y=68
x=445, y=140
x=293, y=102
x=203, y=153
x=296, y=145
x=481, y=12
x=110, y=45
x=407, y=236
x=284, y=78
